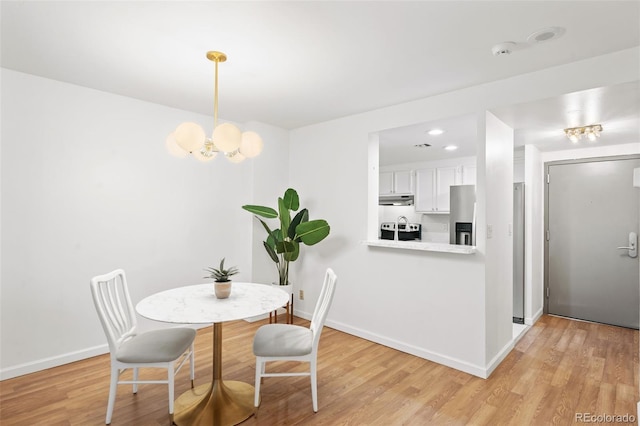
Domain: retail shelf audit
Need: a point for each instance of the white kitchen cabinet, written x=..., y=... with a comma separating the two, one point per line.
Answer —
x=468, y=175
x=432, y=189
x=398, y=182
x=385, y=184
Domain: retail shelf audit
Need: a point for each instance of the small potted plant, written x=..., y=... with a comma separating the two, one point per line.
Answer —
x=222, y=285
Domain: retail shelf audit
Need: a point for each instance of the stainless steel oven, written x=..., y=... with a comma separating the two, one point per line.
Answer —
x=406, y=231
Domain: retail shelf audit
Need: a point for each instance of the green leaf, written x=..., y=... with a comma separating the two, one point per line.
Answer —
x=302, y=216
x=264, y=225
x=293, y=254
x=271, y=252
x=291, y=199
x=313, y=232
x=285, y=216
x=263, y=211
x=285, y=247
x=274, y=238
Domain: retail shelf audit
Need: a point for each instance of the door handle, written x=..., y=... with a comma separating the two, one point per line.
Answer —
x=633, y=245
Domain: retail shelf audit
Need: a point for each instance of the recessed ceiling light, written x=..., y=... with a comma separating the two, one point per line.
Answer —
x=450, y=147
x=435, y=132
x=546, y=34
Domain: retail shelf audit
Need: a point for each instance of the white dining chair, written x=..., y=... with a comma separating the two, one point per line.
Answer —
x=129, y=349
x=288, y=342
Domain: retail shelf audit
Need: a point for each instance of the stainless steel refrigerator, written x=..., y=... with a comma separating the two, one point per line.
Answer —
x=518, y=253
x=462, y=215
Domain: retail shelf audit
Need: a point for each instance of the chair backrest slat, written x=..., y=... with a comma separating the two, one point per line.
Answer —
x=115, y=310
x=322, y=305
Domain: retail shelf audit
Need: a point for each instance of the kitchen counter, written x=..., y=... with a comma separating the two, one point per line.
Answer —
x=422, y=245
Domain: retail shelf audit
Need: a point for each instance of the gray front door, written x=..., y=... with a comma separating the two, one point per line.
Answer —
x=592, y=208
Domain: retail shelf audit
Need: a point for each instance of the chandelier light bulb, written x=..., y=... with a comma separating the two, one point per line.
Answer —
x=251, y=144
x=591, y=135
x=173, y=147
x=190, y=136
x=227, y=137
x=574, y=137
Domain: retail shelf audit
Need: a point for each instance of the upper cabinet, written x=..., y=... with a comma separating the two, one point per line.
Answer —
x=468, y=175
x=432, y=188
x=398, y=182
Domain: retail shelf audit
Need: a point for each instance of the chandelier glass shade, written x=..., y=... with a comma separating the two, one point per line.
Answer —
x=190, y=138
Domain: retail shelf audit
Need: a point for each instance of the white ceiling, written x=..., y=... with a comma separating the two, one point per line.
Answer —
x=538, y=123
x=301, y=62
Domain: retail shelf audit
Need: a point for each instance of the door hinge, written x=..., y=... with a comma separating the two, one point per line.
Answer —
x=547, y=292
x=547, y=236
x=548, y=178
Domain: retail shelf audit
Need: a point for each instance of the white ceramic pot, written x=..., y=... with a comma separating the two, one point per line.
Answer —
x=288, y=288
x=222, y=289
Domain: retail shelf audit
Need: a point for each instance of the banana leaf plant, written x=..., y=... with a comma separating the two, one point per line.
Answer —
x=283, y=243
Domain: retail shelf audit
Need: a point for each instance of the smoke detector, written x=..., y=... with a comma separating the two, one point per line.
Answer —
x=504, y=48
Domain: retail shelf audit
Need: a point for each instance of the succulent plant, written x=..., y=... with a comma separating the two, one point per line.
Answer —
x=221, y=275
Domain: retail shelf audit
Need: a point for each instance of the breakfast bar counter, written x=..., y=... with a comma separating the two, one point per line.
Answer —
x=424, y=246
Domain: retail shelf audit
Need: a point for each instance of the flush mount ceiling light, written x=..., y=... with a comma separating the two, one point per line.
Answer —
x=545, y=34
x=592, y=132
x=435, y=132
x=190, y=138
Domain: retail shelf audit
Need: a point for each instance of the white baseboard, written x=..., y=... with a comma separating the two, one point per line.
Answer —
x=413, y=350
x=55, y=361
x=536, y=317
x=502, y=354
x=482, y=372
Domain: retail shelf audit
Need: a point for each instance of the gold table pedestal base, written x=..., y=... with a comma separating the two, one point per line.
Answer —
x=221, y=403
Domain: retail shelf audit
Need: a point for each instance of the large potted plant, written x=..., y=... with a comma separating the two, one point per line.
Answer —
x=283, y=244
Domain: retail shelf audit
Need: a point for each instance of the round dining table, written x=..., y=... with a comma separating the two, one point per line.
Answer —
x=219, y=402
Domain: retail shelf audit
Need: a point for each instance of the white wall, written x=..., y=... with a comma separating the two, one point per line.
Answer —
x=88, y=186
x=270, y=180
x=498, y=236
x=534, y=235
x=390, y=296
x=429, y=304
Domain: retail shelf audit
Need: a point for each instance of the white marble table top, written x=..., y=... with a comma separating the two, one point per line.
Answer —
x=197, y=304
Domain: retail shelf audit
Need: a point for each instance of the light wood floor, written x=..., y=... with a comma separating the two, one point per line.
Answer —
x=559, y=368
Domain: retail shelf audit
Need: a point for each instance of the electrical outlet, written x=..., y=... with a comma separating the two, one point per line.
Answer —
x=301, y=295
x=489, y=231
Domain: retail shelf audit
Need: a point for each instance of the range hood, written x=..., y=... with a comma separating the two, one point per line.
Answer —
x=395, y=200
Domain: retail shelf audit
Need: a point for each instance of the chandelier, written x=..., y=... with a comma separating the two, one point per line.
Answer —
x=235, y=145
x=592, y=132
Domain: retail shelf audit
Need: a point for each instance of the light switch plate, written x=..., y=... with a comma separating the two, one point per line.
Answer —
x=636, y=177
x=489, y=231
